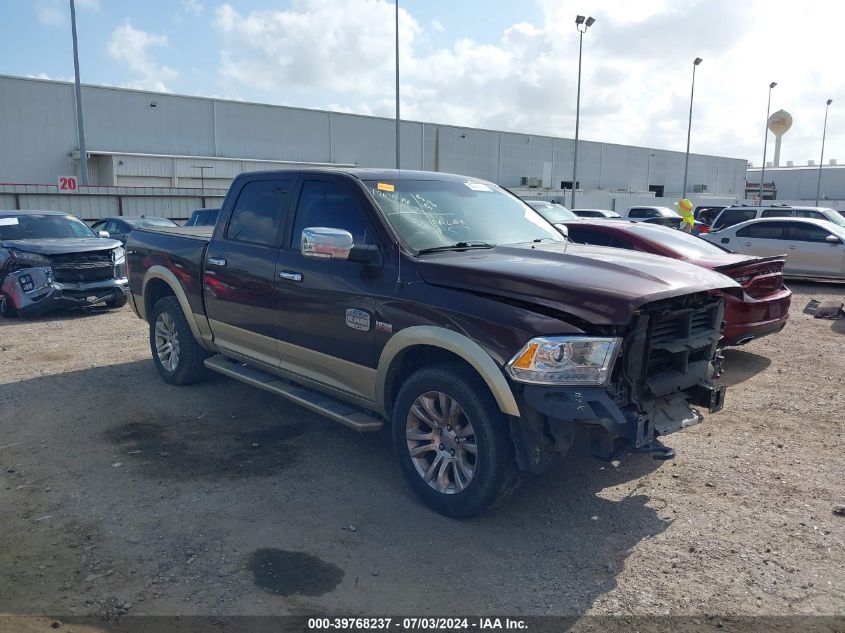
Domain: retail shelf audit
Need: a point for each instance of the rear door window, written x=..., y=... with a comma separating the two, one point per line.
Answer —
x=260, y=211
x=777, y=213
x=801, y=213
x=764, y=231
x=729, y=217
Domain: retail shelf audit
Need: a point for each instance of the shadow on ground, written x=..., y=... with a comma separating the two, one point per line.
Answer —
x=555, y=546
x=740, y=365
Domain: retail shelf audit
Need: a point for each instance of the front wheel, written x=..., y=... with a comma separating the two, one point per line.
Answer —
x=177, y=355
x=452, y=441
x=118, y=301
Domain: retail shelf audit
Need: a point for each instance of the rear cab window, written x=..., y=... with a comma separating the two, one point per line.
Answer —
x=260, y=211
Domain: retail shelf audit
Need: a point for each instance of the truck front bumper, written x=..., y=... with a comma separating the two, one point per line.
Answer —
x=553, y=416
x=32, y=291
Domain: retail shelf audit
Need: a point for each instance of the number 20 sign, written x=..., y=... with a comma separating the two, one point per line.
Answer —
x=67, y=184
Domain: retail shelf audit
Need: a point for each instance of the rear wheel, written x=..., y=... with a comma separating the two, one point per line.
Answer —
x=452, y=441
x=177, y=355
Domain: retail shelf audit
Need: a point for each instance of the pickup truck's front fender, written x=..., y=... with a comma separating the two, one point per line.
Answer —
x=453, y=342
x=151, y=289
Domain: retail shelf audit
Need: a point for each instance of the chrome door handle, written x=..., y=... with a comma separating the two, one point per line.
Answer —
x=217, y=261
x=290, y=275
x=746, y=243
x=792, y=248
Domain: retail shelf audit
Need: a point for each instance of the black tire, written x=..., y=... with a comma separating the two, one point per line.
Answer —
x=118, y=301
x=188, y=364
x=494, y=473
x=7, y=310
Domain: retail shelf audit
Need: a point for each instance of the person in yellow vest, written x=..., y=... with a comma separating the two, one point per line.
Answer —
x=684, y=208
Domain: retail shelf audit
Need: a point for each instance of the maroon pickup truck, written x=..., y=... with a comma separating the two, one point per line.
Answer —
x=441, y=306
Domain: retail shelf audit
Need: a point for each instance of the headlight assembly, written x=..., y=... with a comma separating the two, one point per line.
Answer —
x=565, y=360
x=29, y=260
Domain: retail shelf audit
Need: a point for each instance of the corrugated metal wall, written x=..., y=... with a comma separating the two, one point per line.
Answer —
x=38, y=130
x=799, y=183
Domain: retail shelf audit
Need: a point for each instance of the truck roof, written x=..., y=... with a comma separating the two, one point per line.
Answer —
x=373, y=173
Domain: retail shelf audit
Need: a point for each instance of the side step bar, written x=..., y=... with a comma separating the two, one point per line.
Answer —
x=324, y=405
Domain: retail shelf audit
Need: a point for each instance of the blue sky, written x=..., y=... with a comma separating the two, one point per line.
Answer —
x=506, y=64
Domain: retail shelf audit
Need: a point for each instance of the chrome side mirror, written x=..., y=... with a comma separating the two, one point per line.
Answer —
x=325, y=243
x=832, y=239
x=104, y=233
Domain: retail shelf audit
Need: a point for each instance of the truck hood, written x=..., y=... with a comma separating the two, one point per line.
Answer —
x=62, y=246
x=600, y=285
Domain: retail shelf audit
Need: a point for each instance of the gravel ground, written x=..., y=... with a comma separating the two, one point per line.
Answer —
x=120, y=494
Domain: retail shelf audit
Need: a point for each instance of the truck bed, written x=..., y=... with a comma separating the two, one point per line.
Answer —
x=198, y=232
x=178, y=250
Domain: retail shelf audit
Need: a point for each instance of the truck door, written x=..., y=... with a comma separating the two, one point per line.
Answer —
x=327, y=309
x=240, y=270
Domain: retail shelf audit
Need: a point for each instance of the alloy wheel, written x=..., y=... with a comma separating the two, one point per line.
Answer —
x=441, y=442
x=167, y=341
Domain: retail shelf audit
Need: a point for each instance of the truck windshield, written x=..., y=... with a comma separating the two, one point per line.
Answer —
x=428, y=214
x=31, y=226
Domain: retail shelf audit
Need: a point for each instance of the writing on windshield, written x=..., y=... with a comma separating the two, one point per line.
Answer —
x=431, y=213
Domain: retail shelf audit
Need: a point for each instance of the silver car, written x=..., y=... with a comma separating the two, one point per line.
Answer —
x=815, y=249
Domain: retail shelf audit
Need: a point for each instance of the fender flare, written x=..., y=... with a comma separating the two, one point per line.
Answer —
x=454, y=342
x=197, y=322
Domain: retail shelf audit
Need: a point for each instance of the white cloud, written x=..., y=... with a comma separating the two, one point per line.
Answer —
x=437, y=25
x=51, y=15
x=132, y=46
x=192, y=6
x=55, y=12
x=637, y=68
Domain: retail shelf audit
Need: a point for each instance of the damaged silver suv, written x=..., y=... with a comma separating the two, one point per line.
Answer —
x=51, y=260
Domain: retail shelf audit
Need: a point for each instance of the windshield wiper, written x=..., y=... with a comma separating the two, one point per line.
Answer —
x=455, y=246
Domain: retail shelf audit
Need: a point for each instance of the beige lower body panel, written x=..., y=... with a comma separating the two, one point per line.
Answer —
x=340, y=378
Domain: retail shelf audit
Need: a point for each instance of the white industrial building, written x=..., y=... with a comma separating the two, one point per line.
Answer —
x=177, y=146
x=800, y=183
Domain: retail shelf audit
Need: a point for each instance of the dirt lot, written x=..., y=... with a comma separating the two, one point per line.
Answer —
x=121, y=494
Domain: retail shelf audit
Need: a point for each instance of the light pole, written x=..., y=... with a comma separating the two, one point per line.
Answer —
x=202, y=169
x=766, y=140
x=821, y=158
x=80, y=128
x=582, y=24
x=397, y=84
x=695, y=63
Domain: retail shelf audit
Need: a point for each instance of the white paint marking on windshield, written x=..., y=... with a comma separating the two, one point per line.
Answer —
x=8, y=221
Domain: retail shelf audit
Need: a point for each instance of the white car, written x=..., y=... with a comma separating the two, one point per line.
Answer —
x=734, y=215
x=664, y=216
x=815, y=249
x=596, y=213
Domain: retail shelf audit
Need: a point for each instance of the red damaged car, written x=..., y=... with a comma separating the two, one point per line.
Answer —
x=764, y=306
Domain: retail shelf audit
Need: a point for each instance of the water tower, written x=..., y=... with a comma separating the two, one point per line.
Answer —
x=779, y=124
